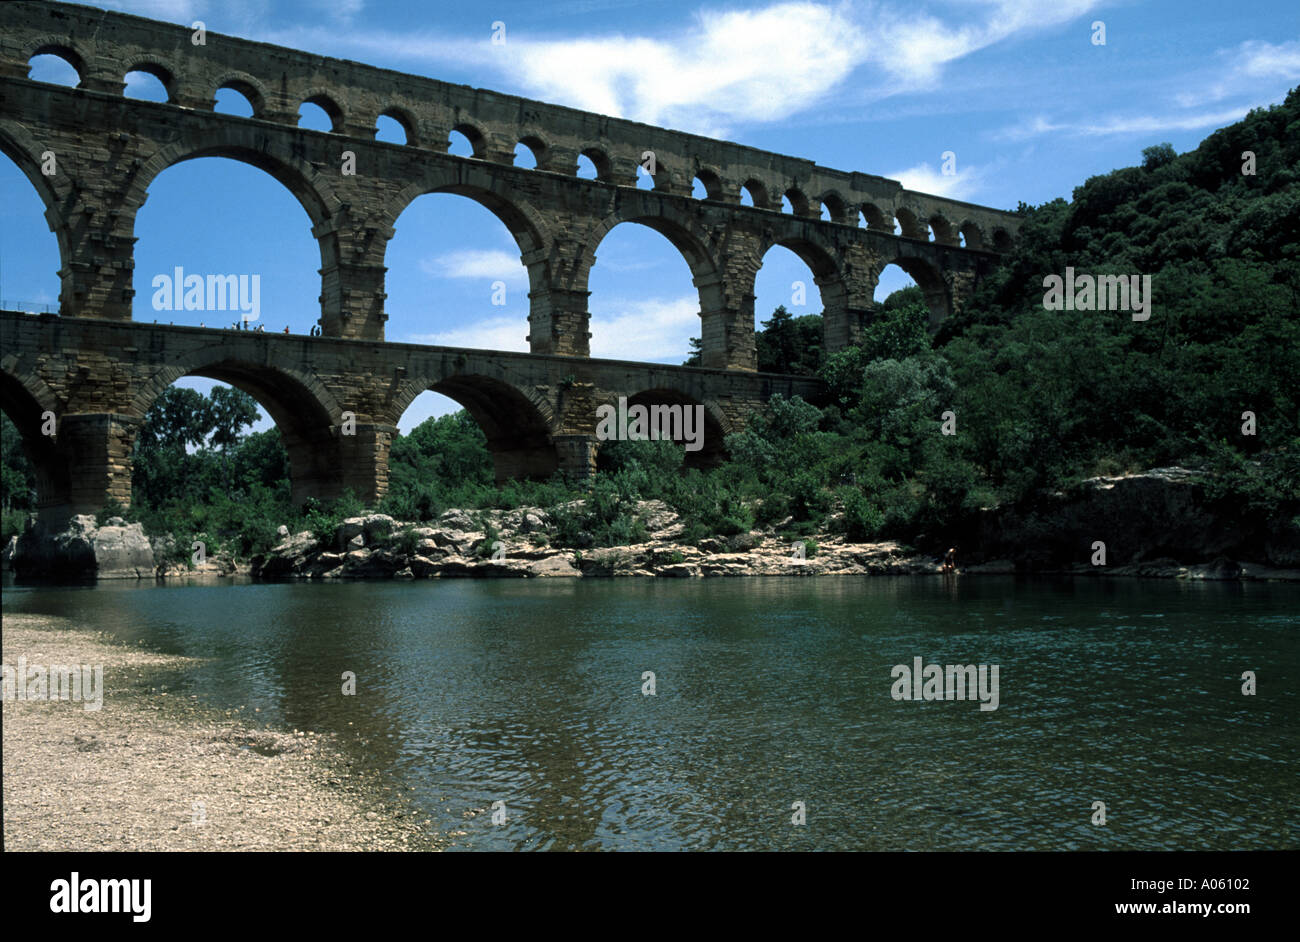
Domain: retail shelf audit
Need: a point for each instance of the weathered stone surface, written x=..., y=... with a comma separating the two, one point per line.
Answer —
x=555, y=566
x=83, y=550
x=102, y=373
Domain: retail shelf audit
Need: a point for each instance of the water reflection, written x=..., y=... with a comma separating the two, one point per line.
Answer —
x=769, y=691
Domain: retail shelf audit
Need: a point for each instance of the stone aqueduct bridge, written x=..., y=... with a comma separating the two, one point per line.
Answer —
x=99, y=372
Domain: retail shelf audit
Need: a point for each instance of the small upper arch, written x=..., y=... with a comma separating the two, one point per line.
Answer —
x=600, y=161
x=799, y=204
x=536, y=142
x=876, y=218
x=472, y=133
x=247, y=86
x=405, y=119
x=711, y=181
x=972, y=235
x=836, y=207
x=62, y=50
x=162, y=73
x=327, y=104
x=941, y=229
x=758, y=193
x=911, y=226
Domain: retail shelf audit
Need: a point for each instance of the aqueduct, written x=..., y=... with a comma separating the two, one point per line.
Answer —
x=98, y=371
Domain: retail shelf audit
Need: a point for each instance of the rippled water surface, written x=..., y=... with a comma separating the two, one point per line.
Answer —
x=768, y=692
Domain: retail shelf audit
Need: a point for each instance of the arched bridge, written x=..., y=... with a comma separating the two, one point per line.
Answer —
x=98, y=371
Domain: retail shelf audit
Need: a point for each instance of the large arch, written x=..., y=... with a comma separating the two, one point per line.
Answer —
x=526, y=226
x=304, y=183
x=516, y=422
x=27, y=401
x=711, y=437
x=681, y=231
x=679, y=248
x=306, y=413
x=931, y=282
x=17, y=144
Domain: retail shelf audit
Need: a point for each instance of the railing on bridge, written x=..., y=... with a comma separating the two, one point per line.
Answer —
x=29, y=307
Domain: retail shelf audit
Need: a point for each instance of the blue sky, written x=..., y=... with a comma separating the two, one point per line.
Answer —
x=1018, y=90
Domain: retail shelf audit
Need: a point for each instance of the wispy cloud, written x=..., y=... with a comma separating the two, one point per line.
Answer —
x=728, y=67
x=646, y=329
x=499, y=333
x=1132, y=124
x=914, y=48
x=1252, y=68
x=651, y=329
x=487, y=264
x=923, y=178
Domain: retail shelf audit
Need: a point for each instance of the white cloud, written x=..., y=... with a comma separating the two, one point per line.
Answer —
x=914, y=47
x=926, y=179
x=736, y=65
x=1132, y=124
x=488, y=264
x=506, y=332
x=730, y=66
x=1252, y=68
x=646, y=329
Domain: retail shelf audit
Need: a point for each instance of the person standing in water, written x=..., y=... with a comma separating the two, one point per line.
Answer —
x=950, y=560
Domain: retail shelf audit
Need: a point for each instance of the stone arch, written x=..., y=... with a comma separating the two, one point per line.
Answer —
x=942, y=230
x=716, y=424
x=911, y=224
x=25, y=398
x=477, y=137
x=799, y=202
x=931, y=282
x=601, y=160
x=325, y=100
x=877, y=218
x=819, y=256
x=823, y=261
x=973, y=234
x=1001, y=240
x=837, y=207
x=155, y=66
x=678, y=228
x=711, y=180
x=540, y=146
x=758, y=192
x=248, y=86
x=305, y=412
x=59, y=46
x=407, y=120
x=525, y=224
x=308, y=186
x=18, y=145
x=517, y=422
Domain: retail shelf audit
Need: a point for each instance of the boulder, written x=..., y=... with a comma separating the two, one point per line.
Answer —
x=82, y=550
x=553, y=567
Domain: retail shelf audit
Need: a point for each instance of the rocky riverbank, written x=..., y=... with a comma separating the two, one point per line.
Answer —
x=1158, y=524
x=148, y=771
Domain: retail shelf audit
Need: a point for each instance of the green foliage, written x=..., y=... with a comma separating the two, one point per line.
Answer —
x=322, y=518
x=17, y=478
x=790, y=344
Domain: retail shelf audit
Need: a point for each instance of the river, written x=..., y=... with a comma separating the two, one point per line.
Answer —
x=771, y=702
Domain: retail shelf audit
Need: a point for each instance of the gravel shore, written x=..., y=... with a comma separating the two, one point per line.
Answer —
x=150, y=771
